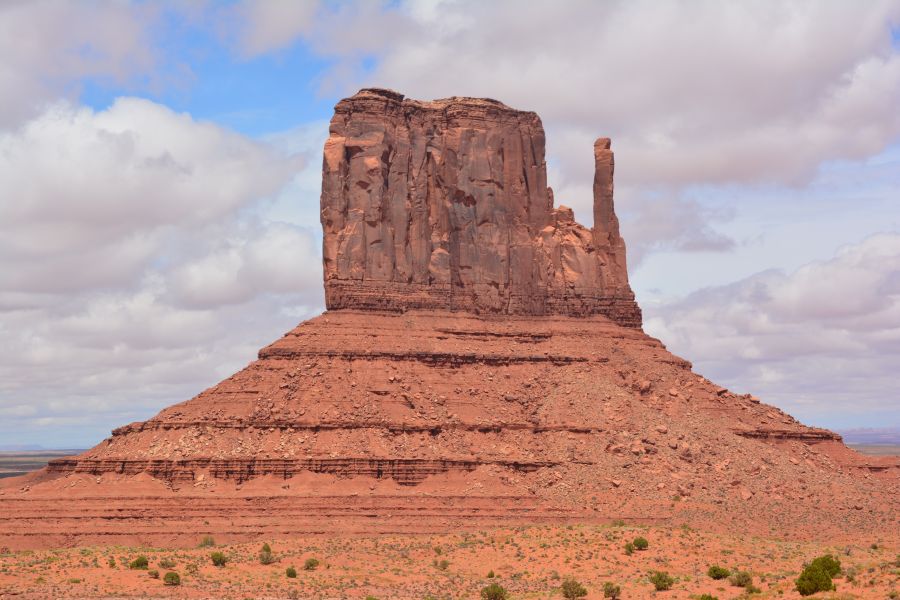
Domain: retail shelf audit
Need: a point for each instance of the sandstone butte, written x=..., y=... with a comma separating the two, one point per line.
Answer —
x=481, y=362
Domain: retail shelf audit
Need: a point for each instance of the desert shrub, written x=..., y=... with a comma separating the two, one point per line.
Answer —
x=172, y=578
x=442, y=565
x=153, y=574
x=192, y=568
x=207, y=542
x=717, y=572
x=827, y=563
x=494, y=591
x=111, y=562
x=611, y=590
x=814, y=578
x=490, y=574
x=741, y=579
x=140, y=562
x=310, y=564
x=629, y=548
x=641, y=543
x=708, y=597
x=571, y=589
x=265, y=555
x=371, y=598
x=618, y=523
x=218, y=559
x=661, y=580
x=291, y=573
x=167, y=563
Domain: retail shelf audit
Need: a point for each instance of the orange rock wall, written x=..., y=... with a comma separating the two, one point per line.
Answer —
x=445, y=205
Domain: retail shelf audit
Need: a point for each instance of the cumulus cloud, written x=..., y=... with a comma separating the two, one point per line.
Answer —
x=49, y=46
x=692, y=92
x=262, y=26
x=87, y=198
x=138, y=263
x=658, y=222
x=822, y=341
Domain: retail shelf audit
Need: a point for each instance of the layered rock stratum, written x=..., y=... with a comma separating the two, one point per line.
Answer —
x=481, y=362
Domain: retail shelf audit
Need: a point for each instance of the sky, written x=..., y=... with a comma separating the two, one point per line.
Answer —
x=160, y=174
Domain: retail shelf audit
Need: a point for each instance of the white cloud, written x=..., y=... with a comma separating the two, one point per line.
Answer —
x=138, y=263
x=89, y=198
x=822, y=342
x=270, y=25
x=278, y=258
x=692, y=92
x=657, y=222
x=49, y=46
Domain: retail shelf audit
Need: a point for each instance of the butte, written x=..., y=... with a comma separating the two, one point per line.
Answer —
x=481, y=362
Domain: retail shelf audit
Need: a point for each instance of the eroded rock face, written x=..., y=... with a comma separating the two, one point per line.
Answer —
x=445, y=205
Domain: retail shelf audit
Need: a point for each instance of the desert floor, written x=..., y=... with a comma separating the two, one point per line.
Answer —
x=530, y=562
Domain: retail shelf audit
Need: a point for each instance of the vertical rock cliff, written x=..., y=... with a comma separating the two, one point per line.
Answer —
x=445, y=205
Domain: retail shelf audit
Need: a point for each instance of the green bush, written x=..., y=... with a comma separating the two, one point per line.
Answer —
x=828, y=563
x=741, y=579
x=172, y=578
x=661, y=580
x=310, y=564
x=167, y=563
x=490, y=574
x=207, y=542
x=571, y=589
x=708, y=597
x=717, y=572
x=265, y=555
x=153, y=574
x=111, y=562
x=494, y=591
x=814, y=578
x=140, y=562
x=611, y=590
x=218, y=559
x=291, y=573
x=629, y=548
x=641, y=543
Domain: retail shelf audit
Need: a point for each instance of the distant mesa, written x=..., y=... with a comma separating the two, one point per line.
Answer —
x=481, y=363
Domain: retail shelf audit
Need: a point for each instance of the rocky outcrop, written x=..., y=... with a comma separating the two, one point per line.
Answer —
x=445, y=205
x=495, y=384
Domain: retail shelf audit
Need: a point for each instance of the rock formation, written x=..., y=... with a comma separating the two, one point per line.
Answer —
x=445, y=205
x=481, y=362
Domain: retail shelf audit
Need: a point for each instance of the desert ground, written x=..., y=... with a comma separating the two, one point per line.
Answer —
x=529, y=562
